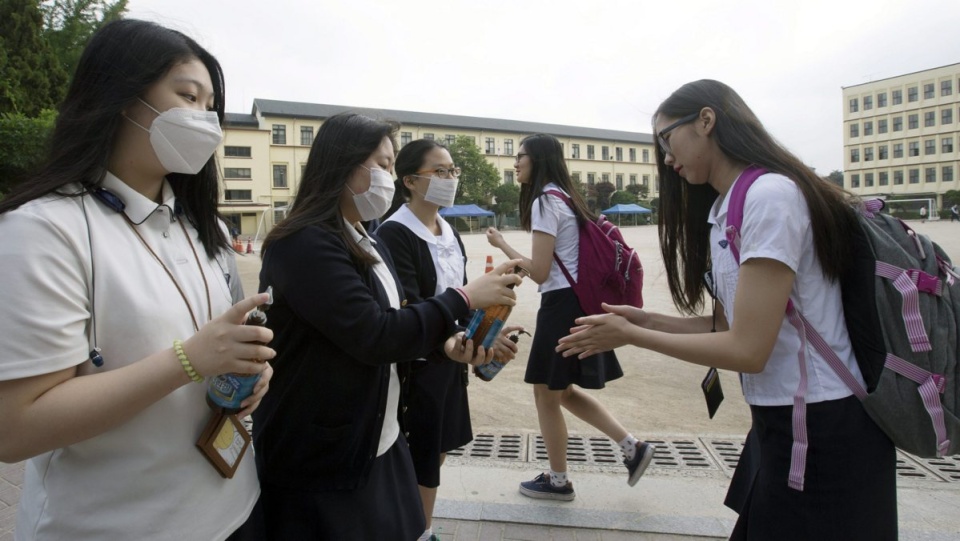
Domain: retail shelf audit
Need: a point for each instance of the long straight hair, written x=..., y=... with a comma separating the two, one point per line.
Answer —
x=683, y=228
x=121, y=62
x=343, y=143
x=546, y=154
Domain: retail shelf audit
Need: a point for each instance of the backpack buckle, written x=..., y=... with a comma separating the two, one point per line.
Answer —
x=925, y=282
x=940, y=381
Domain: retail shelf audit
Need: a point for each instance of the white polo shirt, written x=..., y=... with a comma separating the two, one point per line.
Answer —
x=776, y=225
x=556, y=219
x=144, y=479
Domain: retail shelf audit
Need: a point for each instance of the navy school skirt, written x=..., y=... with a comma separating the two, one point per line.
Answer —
x=850, y=485
x=558, y=311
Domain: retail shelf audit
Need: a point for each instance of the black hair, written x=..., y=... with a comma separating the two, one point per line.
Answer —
x=409, y=161
x=546, y=154
x=343, y=143
x=121, y=61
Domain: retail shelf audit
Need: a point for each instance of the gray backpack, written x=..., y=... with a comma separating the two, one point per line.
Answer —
x=901, y=302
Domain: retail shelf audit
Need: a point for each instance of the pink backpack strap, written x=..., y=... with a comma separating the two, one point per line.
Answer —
x=737, y=197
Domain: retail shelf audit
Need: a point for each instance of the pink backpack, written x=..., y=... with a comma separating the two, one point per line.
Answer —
x=609, y=271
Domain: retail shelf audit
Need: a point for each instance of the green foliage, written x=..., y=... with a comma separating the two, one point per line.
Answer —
x=836, y=177
x=604, y=191
x=623, y=198
x=951, y=198
x=31, y=77
x=634, y=189
x=69, y=24
x=23, y=145
x=654, y=204
x=508, y=197
x=479, y=178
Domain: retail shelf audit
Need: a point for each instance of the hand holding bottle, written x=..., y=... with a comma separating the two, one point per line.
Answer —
x=495, y=287
x=226, y=345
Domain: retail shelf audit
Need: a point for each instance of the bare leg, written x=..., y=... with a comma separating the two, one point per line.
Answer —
x=590, y=410
x=553, y=427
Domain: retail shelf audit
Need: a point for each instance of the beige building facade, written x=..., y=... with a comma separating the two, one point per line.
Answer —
x=901, y=135
x=263, y=153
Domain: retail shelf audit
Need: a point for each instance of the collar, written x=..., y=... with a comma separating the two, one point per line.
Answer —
x=358, y=233
x=137, y=207
x=406, y=217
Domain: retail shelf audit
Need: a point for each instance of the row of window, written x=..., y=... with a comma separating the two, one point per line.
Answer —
x=883, y=177
x=605, y=153
x=896, y=96
x=605, y=177
x=913, y=150
x=913, y=122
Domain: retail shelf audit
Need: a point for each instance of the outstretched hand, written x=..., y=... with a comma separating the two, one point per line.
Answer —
x=599, y=333
x=225, y=344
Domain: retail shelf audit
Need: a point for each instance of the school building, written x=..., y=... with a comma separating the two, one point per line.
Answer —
x=901, y=135
x=263, y=153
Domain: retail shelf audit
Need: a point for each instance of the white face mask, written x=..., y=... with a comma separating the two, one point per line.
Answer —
x=441, y=191
x=375, y=202
x=183, y=139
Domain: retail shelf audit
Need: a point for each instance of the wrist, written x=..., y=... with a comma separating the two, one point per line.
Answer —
x=185, y=362
x=466, y=297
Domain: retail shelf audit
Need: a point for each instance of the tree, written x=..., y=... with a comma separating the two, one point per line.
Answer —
x=22, y=145
x=69, y=24
x=951, y=198
x=604, y=191
x=836, y=177
x=31, y=77
x=623, y=198
x=508, y=197
x=478, y=177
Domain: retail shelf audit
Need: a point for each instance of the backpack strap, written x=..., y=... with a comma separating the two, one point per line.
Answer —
x=563, y=269
x=736, y=200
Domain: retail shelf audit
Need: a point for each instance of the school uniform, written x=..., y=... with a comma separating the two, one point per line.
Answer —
x=849, y=489
x=559, y=307
x=331, y=458
x=436, y=418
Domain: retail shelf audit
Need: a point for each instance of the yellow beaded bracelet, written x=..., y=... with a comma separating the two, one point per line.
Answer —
x=185, y=362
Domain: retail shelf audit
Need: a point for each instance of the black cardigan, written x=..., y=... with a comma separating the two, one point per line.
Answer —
x=335, y=335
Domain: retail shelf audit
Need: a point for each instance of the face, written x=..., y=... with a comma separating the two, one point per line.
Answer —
x=436, y=163
x=683, y=146
x=359, y=181
x=523, y=166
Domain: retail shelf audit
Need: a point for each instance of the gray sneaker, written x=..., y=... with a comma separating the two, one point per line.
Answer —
x=541, y=489
x=641, y=459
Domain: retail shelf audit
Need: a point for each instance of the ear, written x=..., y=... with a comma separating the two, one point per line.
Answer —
x=408, y=181
x=707, y=121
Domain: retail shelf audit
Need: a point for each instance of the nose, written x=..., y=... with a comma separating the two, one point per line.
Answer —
x=668, y=158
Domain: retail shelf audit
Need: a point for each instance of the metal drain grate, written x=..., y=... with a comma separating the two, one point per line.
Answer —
x=908, y=467
x=681, y=453
x=498, y=446
x=725, y=451
x=598, y=451
x=947, y=467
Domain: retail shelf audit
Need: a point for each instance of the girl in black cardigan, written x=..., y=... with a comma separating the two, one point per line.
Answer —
x=333, y=463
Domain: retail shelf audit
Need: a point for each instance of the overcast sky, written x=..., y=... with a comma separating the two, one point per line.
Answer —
x=592, y=63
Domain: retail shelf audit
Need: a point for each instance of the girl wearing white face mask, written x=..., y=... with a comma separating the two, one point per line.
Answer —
x=429, y=257
x=333, y=463
x=118, y=278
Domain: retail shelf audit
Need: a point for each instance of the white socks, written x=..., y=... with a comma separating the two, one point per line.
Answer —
x=558, y=479
x=629, y=446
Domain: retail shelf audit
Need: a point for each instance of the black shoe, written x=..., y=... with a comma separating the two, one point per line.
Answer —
x=541, y=488
x=641, y=459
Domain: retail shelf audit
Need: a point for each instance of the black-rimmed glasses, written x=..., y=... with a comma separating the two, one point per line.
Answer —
x=520, y=155
x=661, y=135
x=443, y=172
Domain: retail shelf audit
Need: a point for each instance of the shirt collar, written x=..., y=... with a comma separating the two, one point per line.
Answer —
x=406, y=217
x=137, y=207
x=358, y=233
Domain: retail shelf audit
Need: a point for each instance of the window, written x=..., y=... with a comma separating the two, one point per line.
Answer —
x=867, y=103
x=590, y=154
x=913, y=121
x=279, y=211
x=946, y=88
x=868, y=128
x=646, y=155
x=882, y=152
x=854, y=181
x=236, y=152
x=946, y=145
x=868, y=154
x=633, y=154
x=405, y=138
x=854, y=130
x=884, y=178
x=591, y=177
x=868, y=180
x=303, y=167
x=929, y=119
x=897, y=96
x=428, y=136
x=853, y=105
x=912, y=95
x=882, y=125
x=238, y=195
x=280, y=176
x=898, y=123
x=618, y=152
x=633, y=179
x=575, y=151
x=450, y=139
x=914, y=176
x=946, y=116
x=898, y=150
x=508, y=147
x=854, y=155
x=897, y=178
x=913, y=148
x=619, y=181
x=946, y=174
x=928, y=91
x=279, y=134
x=491, y=145
x=237, y=172
x=508, y=176
x=605, y=177
x=930, y=174
x=605, y=152
x=881, y=99
x=306, y=135
x=929, y=147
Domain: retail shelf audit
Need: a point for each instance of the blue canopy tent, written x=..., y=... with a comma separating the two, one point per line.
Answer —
x=628, y=209
x=469, y=214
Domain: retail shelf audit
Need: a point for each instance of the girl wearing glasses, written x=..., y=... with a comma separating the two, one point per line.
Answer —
x=793, y=235
x=333, y=463
x=117, y=294
x=540, y=167
x=429, y=258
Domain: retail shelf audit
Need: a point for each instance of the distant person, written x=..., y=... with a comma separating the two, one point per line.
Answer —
x=332, y=459
x=429, y=258
x=955, y=213
x=117, y=277
x=794, y=247
x=557, y=380
x=923, y=214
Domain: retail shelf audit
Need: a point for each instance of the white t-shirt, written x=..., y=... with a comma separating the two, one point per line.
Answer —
x=391, y=425
x=776, y=225
x=144, y=479
x=556, y=219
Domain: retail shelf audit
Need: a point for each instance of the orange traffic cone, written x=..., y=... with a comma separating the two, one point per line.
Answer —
x=237, y=246
x=249, y=245
x=489, y=264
